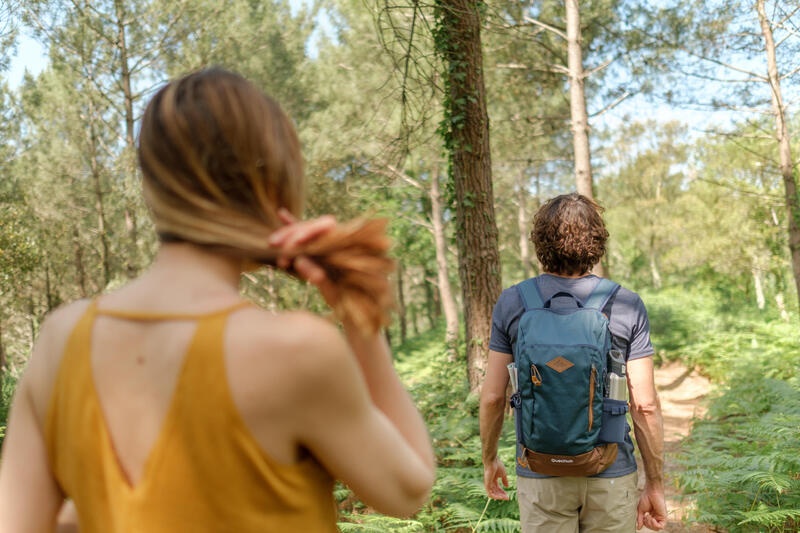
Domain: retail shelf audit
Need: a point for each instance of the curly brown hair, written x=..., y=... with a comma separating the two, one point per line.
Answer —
x=569, y=234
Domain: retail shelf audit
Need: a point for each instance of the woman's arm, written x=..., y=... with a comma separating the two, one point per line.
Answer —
x=379, y=447
x=361, y=422
x=388, y=393
x=29, y=496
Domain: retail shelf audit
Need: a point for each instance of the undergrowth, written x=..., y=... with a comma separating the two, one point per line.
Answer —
x=741, y=462
x=721, y=338
x=7, y=385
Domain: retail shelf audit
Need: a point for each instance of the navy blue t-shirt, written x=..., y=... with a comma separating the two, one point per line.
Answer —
x=628, y=321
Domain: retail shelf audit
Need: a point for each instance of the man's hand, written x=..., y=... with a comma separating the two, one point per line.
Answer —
x=652, y=510
x=491, y=471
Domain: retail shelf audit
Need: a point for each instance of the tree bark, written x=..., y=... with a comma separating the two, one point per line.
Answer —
x=577, y=105
x=784, y=146
x=401, y=303
x=442, y=270
x=99, y=204
x=759, y=287
x=125, y=81
x=79, y=268
x=781, y=306
x=430, y=301
x=131, y=267
x=653, y=264
x=459, y=42
x=577, y=102
x=2, y=354
x=522, y=225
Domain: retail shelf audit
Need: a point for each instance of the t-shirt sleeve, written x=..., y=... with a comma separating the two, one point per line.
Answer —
x=640, y=345
x=500, y=340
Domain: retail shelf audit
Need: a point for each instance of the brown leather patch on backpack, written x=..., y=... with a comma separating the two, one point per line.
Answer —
x=586, y=464
x=559, y=364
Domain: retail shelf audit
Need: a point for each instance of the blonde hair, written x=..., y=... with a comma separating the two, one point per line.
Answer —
x=219, y=159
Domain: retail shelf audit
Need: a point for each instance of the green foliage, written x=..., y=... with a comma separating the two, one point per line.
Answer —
x=8, y=383
x=724, y=336
x=742, y=461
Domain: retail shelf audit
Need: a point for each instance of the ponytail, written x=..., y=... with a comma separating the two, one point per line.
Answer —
x=354, y=258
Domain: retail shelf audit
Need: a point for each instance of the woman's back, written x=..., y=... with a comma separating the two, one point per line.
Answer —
x=161, y=407
x=144, y=432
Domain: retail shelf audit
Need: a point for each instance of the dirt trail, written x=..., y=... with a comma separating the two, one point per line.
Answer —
x=681, y=392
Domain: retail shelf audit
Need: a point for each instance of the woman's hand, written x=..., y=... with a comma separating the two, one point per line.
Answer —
x=289, y=240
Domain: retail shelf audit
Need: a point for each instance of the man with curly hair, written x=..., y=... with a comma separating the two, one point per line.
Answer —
x=570, y=239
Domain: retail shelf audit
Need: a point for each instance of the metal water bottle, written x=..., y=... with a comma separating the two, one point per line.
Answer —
x=616, y=380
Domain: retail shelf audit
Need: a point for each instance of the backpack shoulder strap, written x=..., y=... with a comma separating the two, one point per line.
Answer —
x=616, y=341
x=602, y=293
x=530, y=295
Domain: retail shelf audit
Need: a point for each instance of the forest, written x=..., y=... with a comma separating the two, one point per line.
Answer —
x=456, y=119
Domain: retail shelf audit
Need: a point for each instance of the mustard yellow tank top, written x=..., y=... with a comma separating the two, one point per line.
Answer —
x=205, y=473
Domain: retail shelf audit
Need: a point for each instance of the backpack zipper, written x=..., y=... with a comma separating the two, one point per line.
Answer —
x=591, y=397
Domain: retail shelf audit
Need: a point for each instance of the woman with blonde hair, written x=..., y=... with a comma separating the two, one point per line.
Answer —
x=172, y=404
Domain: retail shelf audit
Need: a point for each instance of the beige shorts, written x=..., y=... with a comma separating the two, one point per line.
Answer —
x=578, y=504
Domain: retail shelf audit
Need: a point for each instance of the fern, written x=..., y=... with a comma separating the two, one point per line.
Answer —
x=778, y=520
x=742, y=462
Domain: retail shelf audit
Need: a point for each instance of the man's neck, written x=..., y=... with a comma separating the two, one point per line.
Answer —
x=572, y=276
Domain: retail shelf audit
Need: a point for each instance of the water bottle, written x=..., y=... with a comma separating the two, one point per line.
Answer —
x=616, y=380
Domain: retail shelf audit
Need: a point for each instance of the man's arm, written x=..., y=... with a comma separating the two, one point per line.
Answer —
x=493, y=402
x=649, y=430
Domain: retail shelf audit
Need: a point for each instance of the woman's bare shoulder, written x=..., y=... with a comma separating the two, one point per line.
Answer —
x=256, y=332
x=45, y=360
x=274, y=363
x=286, y=350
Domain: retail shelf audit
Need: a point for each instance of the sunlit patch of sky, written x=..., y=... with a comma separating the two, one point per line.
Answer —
x=30, y=56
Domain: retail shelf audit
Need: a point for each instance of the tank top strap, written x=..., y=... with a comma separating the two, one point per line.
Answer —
x=155, y=315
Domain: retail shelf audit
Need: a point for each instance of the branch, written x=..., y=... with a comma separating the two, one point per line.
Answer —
x=710, y=59
x=598, y=68
x=393, y=171
x=792, y=73
x=787, y=17
x=612, y=105
x=557, y=69
x=743, y=191
x=546, y=27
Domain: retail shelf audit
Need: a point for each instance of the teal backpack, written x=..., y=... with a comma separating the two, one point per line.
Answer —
x=561, y=361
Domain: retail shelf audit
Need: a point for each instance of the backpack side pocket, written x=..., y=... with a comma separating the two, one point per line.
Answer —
x=614, y=427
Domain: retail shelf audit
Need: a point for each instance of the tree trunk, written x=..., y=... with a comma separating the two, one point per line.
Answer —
x=131, y=267
x=577, y=102
x=99, y=206
x=430, y=301
x=79, y=269
x=759, y=286
x=781, y=306
x=48, y=287
x=125, y=80
x=784, y=147
x=32, y=320
x=2, y=354
x=522, y=225
x=458, y=40
x=577, y=106
x=653, y=264
x=442, y=270
x=401, y=303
